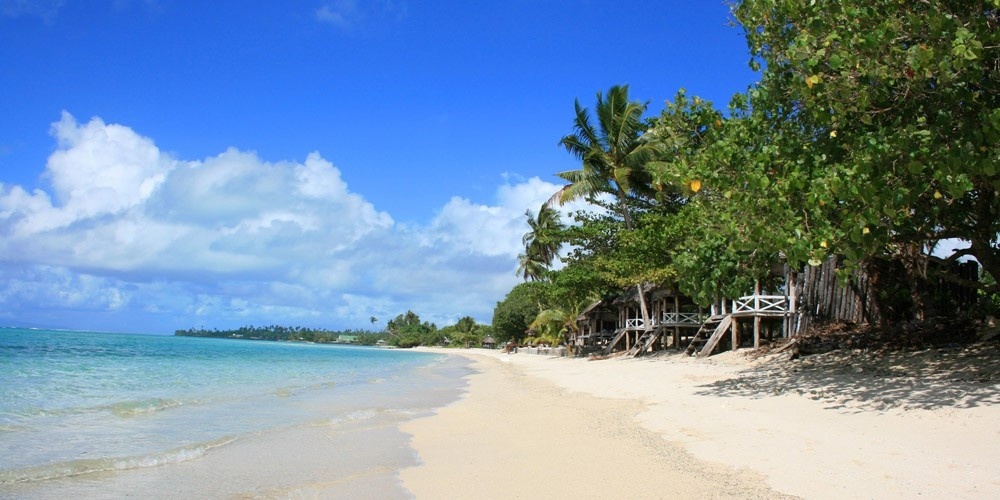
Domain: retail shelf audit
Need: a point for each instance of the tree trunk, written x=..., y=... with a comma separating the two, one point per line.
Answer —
x=623, y=205
x=911, y=257
x=645, y=311
x=984, y=231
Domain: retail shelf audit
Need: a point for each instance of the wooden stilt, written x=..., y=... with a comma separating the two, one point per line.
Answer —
x=735, y=335
x=756, y=332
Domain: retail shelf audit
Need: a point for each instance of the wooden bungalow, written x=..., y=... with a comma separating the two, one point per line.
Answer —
x=597, y=323
x=489, y=342
x=817, y=293
x=617, y=323
x=676, y=321
x=792, y=300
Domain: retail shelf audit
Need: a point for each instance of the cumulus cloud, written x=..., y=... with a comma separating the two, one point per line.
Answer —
x=234, y=239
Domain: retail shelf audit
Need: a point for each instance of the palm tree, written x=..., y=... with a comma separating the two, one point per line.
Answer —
x=541, y=243
x=557, y=322
x=612, y=153
x=530, y=266
x=613, y=156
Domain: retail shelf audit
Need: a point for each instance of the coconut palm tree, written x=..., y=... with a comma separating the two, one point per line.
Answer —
x=557, y=322
x=541, y=242
x=613, y=156
x=530, y=266
x=612, y=153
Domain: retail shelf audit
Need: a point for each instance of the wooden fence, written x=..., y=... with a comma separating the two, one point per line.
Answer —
x=823, y=295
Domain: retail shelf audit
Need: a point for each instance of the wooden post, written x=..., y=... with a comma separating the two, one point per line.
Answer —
x=735, y=334
x=792, y=305
x=677, y=327
x=756, y=332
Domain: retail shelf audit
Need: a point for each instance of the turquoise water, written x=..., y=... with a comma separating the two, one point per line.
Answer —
x=76, y=403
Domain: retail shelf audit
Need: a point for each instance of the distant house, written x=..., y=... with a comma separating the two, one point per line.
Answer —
x=347, y=339
x=381, y=343
x=489, y=342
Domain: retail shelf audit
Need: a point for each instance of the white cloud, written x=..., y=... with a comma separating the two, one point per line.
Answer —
x=234, y=239
x=351, y=14
x=337, y=13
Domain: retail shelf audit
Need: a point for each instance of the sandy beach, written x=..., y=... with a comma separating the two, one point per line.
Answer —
x=838, y=425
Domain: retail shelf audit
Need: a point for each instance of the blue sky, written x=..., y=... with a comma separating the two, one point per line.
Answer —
x=167, y=164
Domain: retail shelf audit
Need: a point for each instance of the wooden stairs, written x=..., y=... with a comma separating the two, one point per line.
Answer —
x=703, y=344
x=619, y=333
x=646, y=341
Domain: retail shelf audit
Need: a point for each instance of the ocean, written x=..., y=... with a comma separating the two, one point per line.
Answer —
x=108, y=415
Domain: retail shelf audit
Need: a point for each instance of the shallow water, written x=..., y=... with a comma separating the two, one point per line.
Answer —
x=86, y=413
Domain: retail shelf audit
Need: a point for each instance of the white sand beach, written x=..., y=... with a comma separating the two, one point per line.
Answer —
x=837, y=425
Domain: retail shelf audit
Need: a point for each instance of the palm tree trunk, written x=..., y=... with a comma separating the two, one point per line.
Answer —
x=639, y=286
x=623, y=205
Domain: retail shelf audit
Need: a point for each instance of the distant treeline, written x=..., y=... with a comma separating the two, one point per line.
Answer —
x=286, y=333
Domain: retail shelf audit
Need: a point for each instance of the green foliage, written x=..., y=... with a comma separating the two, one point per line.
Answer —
x=466, y=332
x=612, y=153
x=513, y=315
x=873, y=134
x=285, y=333
x=541, y=243
x=406, y=330
x=878, y=120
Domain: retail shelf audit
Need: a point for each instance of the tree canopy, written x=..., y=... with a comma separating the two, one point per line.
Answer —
x=873, y=134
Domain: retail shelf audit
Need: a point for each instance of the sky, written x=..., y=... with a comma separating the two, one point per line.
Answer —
x=169, y=164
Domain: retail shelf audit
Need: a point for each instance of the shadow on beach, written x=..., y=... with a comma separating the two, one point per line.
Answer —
x=856, y=380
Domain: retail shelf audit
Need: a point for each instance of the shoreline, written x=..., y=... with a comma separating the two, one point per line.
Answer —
x=843, y=425
x=336, y=438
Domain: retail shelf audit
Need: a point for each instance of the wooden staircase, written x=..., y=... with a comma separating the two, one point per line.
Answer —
x=646, y=341
x=703, y=344
x=619, y=333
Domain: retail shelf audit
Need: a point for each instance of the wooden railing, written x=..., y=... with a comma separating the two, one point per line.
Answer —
x=635, y=324
x=761, y=304
x=675, y=318
x=671, y=318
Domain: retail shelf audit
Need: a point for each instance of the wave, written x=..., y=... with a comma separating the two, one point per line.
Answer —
x=357, y=416
x=144, y=406
x=125, y=409
x=89, y=466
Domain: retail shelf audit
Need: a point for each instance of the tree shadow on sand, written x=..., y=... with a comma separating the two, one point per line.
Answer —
x=856, y=380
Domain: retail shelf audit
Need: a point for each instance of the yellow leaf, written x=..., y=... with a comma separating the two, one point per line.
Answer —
x=815, y=262
x=822, y=243
x=938, y=195
x=865, y=230
x=833, y=133
x=695, y=185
